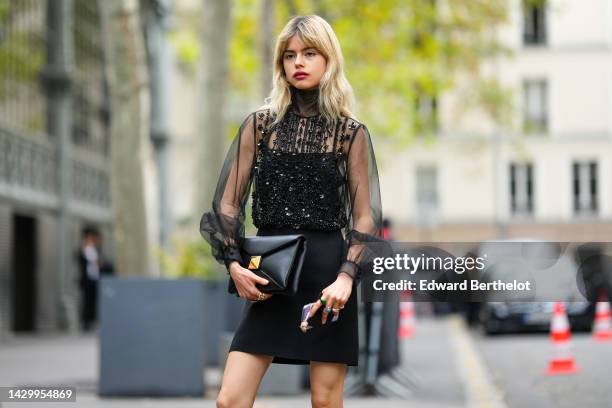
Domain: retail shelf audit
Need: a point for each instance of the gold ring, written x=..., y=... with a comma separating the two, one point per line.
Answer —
x=261, y=296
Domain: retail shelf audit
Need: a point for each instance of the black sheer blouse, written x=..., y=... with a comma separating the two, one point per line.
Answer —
x=303, y=172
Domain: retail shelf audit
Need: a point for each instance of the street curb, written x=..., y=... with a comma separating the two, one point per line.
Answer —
x=479, y=388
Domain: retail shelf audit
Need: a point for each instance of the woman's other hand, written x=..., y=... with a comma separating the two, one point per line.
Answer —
x=336, y=295
x=245, y=281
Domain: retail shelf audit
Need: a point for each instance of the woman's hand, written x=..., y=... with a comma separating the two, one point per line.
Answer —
x=336, y=295
x=245, y=281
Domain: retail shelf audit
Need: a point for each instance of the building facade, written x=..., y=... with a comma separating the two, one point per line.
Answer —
x=546, y=177
x=54, y=157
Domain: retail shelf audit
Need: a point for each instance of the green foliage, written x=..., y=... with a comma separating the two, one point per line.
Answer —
x=191, y=258
x=21, y=49
x=187, y=47
x=22, y=53
x=396, y=51
x=4, y=9
x=244, y=46
x=492, y=98
x=536, y=3
x=18, y=59
x=185, y=38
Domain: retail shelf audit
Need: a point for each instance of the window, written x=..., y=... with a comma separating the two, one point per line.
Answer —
x=426, y=121
x=585, y=187
x=426, y=193
x=521, y=188
x=535, y=106
x=534, y=22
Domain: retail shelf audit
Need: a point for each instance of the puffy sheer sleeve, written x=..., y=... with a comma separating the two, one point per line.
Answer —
x=222, y=226
x=364, y=230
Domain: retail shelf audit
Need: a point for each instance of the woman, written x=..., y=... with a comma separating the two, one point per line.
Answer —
x=312, y=168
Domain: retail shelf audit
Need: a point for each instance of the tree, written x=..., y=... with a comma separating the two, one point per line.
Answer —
x=267, y=46
x=127, y=75
x=401, y=55
x=214, y=74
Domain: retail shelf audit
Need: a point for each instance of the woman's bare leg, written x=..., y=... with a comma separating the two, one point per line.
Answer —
x=327, y=384
x=241, y=379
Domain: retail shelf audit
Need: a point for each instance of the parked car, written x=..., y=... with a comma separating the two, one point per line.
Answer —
x=512, y=317
x=548, y=268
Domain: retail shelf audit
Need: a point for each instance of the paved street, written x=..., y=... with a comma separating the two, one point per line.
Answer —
x=518, y=364
x=451, y=366
x=73, y=360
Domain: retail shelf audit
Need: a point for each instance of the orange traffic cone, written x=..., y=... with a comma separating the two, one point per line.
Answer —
x=406, y=322
x=602, y=326
x=562, y=361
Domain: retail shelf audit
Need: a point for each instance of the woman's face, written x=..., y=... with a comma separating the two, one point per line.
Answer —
x=304, y=66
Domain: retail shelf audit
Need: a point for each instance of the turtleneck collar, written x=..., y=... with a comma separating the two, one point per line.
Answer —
x=305, y=102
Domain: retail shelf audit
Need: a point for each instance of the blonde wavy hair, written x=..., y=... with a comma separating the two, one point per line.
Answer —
x=335, y=93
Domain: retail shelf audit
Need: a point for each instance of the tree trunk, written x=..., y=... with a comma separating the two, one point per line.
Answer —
x=127, y=73
x=267, y=46
x=214, y=71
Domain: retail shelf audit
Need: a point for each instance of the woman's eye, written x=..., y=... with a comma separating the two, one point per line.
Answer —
x=311, y=53
x=288, y=56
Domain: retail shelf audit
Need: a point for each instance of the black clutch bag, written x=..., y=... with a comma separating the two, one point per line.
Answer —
x=277, y=258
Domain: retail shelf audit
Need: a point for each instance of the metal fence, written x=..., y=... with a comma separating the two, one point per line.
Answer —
x=90, y=95
x=28, y=153
x=22, y=57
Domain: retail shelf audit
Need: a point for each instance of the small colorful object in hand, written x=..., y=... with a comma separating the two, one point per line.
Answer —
x=304, y=326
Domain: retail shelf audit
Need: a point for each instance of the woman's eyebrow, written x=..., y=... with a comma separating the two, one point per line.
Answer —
x=305, y=48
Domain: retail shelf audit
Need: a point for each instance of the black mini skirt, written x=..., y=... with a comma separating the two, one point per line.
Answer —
x=271, y=327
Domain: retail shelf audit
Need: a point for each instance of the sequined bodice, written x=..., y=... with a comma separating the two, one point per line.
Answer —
x=300, y=171
x=298, y=190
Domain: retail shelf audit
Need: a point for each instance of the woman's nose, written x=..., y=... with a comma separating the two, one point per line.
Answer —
x=298, y=61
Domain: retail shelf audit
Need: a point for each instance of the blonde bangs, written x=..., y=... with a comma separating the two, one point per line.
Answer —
x=335, y=93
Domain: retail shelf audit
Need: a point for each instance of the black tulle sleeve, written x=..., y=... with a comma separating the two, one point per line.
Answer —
x=363, y=232
x=222, y=226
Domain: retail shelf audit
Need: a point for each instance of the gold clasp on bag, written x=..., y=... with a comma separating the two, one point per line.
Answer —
x=254, y=262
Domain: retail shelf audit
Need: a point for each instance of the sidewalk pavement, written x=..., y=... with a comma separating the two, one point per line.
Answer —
x=440, y=355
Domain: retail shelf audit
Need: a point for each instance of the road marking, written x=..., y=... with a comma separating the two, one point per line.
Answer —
x=480, y=390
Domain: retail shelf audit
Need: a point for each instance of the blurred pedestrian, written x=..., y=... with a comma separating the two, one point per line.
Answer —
x=90, y=263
